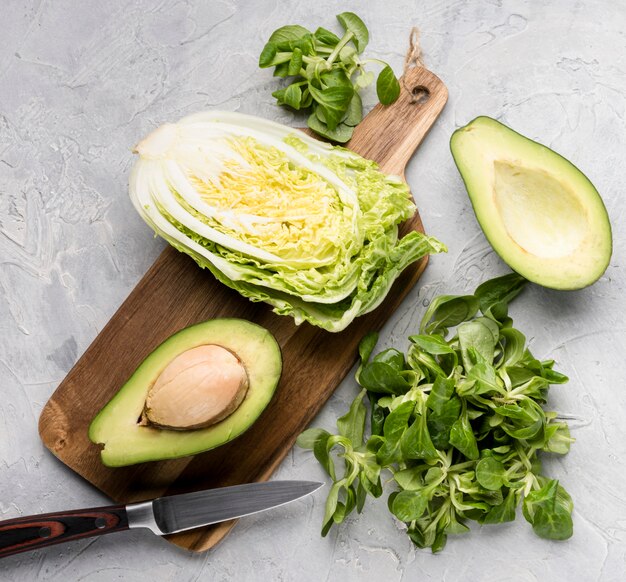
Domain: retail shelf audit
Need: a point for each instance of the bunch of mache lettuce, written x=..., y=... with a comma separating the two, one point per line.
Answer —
x=309, y=228
x=457, y=426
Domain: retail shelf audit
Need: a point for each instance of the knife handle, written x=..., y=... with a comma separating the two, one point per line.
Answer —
x=38, y=531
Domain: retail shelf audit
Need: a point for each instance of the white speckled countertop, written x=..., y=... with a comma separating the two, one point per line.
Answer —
x=80, y=82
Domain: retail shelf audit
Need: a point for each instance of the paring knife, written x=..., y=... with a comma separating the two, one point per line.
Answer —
x=164, y=515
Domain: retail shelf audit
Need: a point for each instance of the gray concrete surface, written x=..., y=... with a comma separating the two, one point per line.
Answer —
x=80, y=82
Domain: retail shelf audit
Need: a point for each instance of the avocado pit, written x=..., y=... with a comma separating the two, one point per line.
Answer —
x=198, y=388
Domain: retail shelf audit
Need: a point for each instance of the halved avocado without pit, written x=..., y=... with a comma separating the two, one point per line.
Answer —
x=199, y=389
x=539, y=212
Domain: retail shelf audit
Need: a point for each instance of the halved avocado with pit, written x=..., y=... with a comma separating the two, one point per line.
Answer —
x=127, y=435
x=539, y=212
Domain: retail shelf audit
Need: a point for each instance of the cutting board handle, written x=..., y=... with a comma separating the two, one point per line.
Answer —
x=398, y=129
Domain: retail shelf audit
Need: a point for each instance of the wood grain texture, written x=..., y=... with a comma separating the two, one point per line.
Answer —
x=175, y=293
x=38, y=531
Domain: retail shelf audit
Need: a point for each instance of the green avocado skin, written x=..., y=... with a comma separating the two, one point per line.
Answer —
x=127, y=443
x=539, y=212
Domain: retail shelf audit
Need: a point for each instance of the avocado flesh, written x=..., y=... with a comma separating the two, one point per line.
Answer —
x=126, y=442
x=539, y=212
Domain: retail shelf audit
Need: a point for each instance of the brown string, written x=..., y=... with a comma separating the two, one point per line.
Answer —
x=414, y=54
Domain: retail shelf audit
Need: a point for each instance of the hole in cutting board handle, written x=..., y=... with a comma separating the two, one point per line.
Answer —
x=420, y=94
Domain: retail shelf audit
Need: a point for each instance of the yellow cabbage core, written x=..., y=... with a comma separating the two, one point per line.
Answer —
x=287, y=209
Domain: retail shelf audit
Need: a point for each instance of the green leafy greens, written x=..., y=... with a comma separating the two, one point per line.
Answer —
x=458, y=423
x=310, y=228
x=326, y=74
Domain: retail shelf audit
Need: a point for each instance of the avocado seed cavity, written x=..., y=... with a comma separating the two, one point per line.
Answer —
x=198, y=388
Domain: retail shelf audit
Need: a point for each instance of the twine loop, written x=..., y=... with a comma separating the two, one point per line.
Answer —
x=414, y=54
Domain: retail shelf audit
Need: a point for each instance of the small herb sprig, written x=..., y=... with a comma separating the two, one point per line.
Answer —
x=458, y=423
x=327, y=73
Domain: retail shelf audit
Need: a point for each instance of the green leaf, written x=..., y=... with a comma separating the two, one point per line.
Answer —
x=377, y=415
x=331, y=506
x=309, y=437
x=288, y=33
x=420, y=538
x=544, y=370
x=416, y=442
x=267, y=55
x=312, y=72
x=433, y=474
x=361, y=496
x=326, y=37
x=375, y=442
x=391, y=499
x=409, y=505
x=321, y=450
x=549, y=510
x=354, y=114
x=345, y=507
x=393, y=358
x=440, y=422
x=463, y=439
x=447, y=311
x=515, y=412
x=558, y=439
x=432, y=344
x=341, y=134
x=334, y=102
x=282, y=70
x=498, y=292
x=425, y=365
x=440, y=353
x=352, y=424
x=526, y=432
x=553, y=524
x=410, y=479
x=271, y=58
x=490, y=473
x=366, y=347
x=370, y=475
x=478, y=336
x=365, y=79
x=519, y=375
x=326, y=528
x=383, y=378
x=336, y=510
x=307, y=100
x=439, y=543
x=295, y=63
x=280, y=96
x=546, y=494
x=454, y=526
x=387, y=86
x=335, y=78
x=395, y=426
x=352, y=23
x=293, y=96
x=503, y=512
x=563, y=498
x=485, y=379
x=440, y=393
x=348, y=55
x=513, y=351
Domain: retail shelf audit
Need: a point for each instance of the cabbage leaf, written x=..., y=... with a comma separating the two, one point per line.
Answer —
x=309, y=228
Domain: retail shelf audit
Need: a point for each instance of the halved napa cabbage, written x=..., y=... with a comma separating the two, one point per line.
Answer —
x=309, y=228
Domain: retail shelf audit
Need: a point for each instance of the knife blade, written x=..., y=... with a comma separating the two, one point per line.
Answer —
x=164, y=515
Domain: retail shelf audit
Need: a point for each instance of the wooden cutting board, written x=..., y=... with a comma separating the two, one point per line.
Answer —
x=175, y=293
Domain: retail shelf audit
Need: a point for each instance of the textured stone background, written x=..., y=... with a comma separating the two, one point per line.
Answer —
x=81, y=82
